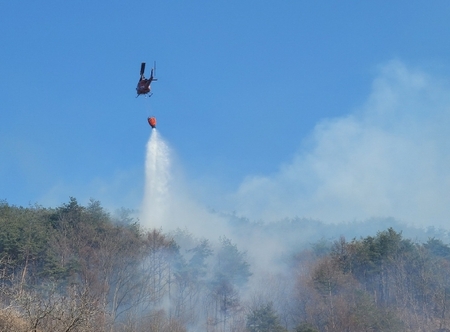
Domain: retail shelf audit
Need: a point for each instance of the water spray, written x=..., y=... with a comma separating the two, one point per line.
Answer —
x=156, y=202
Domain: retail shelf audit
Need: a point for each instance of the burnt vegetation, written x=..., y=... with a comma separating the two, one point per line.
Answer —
x=77, y=268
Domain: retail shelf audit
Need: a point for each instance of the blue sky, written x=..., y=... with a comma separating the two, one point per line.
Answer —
x=251, y=97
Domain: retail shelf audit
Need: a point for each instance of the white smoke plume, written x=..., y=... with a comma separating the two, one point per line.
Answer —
x=390, y=158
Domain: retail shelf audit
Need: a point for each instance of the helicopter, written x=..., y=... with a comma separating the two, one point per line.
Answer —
x=143, y=86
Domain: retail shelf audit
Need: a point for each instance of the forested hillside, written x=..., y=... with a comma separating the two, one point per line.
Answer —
x=78, y=268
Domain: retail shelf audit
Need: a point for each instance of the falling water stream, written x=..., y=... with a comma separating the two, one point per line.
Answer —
x=156, y=203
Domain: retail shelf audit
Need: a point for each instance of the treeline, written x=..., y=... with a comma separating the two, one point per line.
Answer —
x=77, y=268
x=381, y=283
